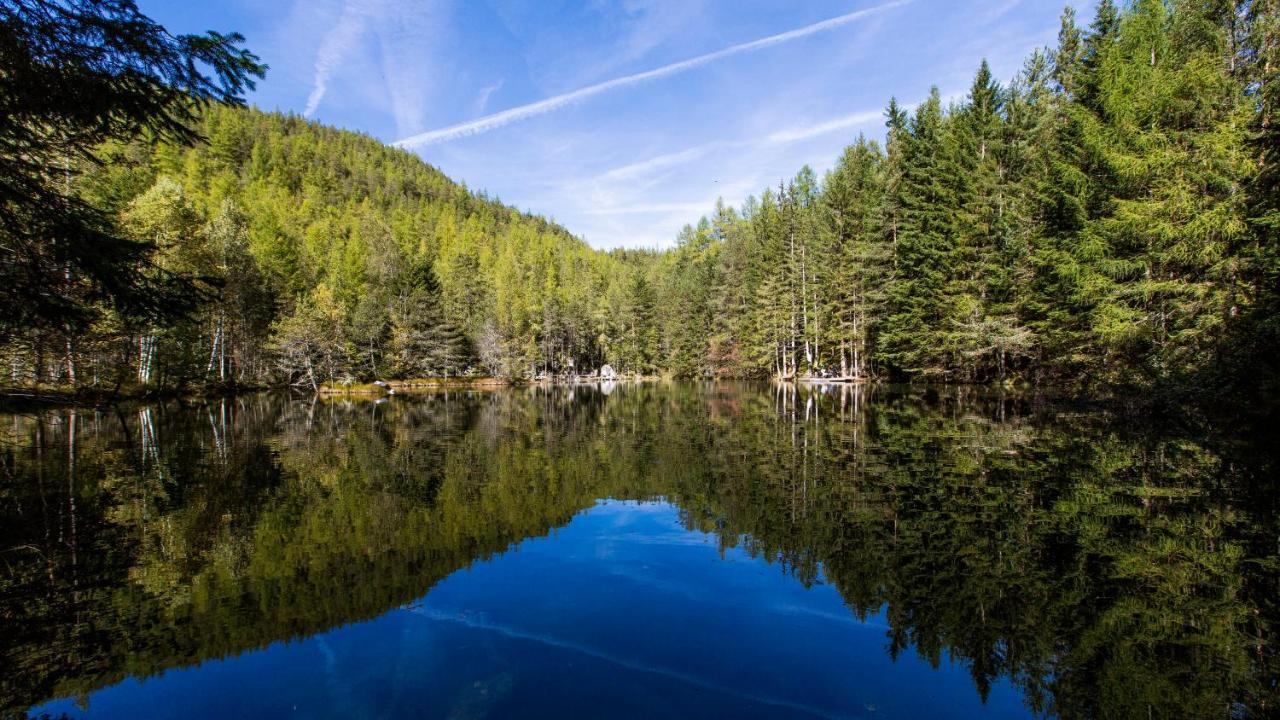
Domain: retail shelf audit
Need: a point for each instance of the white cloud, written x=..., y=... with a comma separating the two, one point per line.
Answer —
x=506, y=117
x=408, y=35
x=660, y=162
x=1000, y=10
x=335, y=48
x=400, y=33
x=650, y=208
x=656, y=163
x=482, y=98
x=858, y=119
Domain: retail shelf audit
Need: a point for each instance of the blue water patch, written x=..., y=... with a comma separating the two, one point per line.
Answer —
x=622, y=613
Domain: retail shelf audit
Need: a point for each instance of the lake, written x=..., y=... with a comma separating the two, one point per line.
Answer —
x=633, y=551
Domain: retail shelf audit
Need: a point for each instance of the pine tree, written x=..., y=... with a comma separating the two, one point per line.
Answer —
x=1176, y=134
x=925, y=243
x=73, y=77
x=424, y=342
x=859, y=260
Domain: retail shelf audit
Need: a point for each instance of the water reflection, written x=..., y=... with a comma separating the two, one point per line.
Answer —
x=1086, y=567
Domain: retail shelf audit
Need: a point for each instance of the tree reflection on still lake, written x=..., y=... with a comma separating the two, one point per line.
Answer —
x=875, y=553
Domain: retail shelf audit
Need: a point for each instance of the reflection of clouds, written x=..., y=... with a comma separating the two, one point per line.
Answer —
x=335, y=680
x=654, y=575
x=650, y=577
x=630, y=664
x=844, y=618
x=672, y=539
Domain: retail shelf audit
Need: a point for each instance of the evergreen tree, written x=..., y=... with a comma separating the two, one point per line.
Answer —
x=1176, y=130
x=859, y=256
x=74, y=75
x=1069, y=54
x=925, y=244
x=1254, y=370
x=985, y=334
x=1097, y=42
x=424, y=342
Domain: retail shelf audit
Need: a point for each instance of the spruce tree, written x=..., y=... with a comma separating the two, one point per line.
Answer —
x=1176, y=134
x=1256, y=335
x=860, y=256
x=424, y=342
x=1069, y=53
x=1097, y=42
x=924, y=247
x=73, y=76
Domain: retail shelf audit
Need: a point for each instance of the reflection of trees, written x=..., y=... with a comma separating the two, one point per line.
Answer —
x=1105, y=572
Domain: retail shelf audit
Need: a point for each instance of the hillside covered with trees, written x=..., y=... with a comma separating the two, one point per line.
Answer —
x=1106, y=219
x=334, y=257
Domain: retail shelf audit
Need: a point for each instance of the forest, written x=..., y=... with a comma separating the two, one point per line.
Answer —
x=1104, y=221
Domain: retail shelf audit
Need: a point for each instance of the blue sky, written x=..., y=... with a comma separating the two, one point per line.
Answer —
x=621, y=119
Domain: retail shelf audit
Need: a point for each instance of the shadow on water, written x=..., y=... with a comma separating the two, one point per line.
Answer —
x=1100, y=568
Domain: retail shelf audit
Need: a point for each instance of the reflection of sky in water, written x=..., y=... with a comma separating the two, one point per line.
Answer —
x=622, y=613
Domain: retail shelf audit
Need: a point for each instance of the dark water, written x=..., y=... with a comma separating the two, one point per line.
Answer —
x=654, y=551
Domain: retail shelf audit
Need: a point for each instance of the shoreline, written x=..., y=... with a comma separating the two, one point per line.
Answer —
x=412, y=385
x=57, y=396
x=392, y=387
x=19, y=399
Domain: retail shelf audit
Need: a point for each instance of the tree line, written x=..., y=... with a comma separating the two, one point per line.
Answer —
x=1106, y=219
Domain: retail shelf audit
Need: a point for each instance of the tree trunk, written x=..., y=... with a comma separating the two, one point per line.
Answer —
x=71, y=363
x=311, y=375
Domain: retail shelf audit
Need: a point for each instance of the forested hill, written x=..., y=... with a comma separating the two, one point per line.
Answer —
x=1106, y=218
x=338, y=257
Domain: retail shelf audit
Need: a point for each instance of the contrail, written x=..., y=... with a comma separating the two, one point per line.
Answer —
x=337, y=44
x=497, y=120
x=842, y=123
x=638, y=666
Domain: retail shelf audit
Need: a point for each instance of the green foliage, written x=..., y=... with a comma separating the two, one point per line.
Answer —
x=424, y=343
x=328, y=256
x=74, y=75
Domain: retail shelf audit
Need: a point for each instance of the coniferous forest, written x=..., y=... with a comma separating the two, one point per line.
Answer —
x=1106, y=221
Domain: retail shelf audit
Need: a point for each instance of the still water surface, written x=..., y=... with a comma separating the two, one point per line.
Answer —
x=652, y=551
